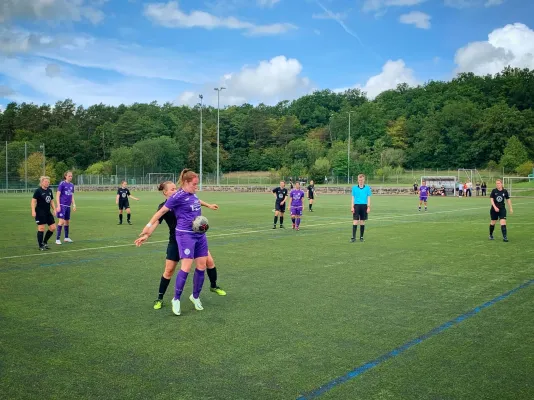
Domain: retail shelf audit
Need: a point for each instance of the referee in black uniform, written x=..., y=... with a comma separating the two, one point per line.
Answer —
x=498, y=209
x=43, y=211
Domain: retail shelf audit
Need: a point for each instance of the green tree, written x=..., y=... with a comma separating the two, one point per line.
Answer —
x=35, y=165
x=514, y=155
x=525, y=169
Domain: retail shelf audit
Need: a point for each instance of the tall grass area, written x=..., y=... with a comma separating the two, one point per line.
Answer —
x=303, y=308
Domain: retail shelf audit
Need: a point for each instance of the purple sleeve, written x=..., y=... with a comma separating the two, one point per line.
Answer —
x=173, y=201
x=60, y=187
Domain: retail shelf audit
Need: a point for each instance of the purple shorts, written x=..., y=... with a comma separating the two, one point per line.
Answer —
x=423, y=198
x=296, y=211
x=192, y=245
x=64, y=212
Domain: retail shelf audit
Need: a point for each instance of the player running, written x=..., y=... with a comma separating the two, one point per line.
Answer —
x=360, y=206
x=122, y=200
x=295, y=205
x=498, y=209
x=43, y=211
x=65, y=202
x=311, y=195
x=280, y=195
x=423, y=195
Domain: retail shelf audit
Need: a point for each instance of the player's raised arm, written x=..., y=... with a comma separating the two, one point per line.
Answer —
x=208, y=205
x=147, y=232
x=155, y=218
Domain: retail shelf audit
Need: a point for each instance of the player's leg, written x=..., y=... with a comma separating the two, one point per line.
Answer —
x=60, y=223
x=310, y=203
x=276, y=212
x=420, y=202
x=128, y=215
x=282, y=210
x=426, y=204
x=171, y=262
x=212, y=275
x=66, y=224
x=40, y=232
x=120, y=212
x=493, y=220
x=298, y=213
x=293, y=216
x=354, y=223
x=502, y=216
x=201, y=256
x=51, y=228
x=363, y=218
x=186, y=246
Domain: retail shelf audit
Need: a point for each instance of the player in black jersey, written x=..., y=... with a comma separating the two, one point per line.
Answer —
x=280, y=195
x=123, y=194
x=498, y=209
x=311, y=195
x=169, y=188
x=43, y=211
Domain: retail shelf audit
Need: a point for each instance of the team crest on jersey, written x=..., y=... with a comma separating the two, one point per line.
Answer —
x=47, y=199
x=499, y=199
x=187, y=252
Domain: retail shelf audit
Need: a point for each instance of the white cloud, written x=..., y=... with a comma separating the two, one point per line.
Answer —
x=32, y=74
x=393, y=74
x=512, y=45
x=171, y=16
x=376, y=5
x=267, y=3
x=13, y=41
x=268, y=82
x=417, y=18
x=52, y=70
x=51, y=10
x=6, y=91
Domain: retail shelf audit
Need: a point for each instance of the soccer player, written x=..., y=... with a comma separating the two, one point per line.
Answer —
x=311, y=195
x=498, y=209
x=43, y=211
x=484, y=188
x=65, y=202
x=295, y=205
x=360, y=206
x=122, y=200
x=192, y=246
x=168, y=188
x=460, y=189
x=280, y=195
x=423, y=195
x=415, y=188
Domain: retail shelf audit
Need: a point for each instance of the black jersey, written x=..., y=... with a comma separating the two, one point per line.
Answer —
x=43, y=197
x=311, y=190
x=281, y=194
x=123, y=193
x=171, y=221
x=499, y=196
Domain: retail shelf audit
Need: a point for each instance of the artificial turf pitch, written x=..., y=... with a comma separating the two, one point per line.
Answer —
x=304, y=309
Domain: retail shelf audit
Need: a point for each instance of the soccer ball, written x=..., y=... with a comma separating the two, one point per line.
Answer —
x=200, y=224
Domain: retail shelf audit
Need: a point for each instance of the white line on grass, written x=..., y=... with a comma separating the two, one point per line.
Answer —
x=233, y=234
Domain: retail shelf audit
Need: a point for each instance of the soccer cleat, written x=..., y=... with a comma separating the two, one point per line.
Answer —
x=274, y=227
x=298, y=228
x=218, y=290
x=197, y=303
x=176, y=306
x=352, y=240
x=46, y=246
x=58, y=241
x=158, y=304
x=282, y=226
x=504, y=239
x=361, y=239
x=490, y=237
x=42, y=248
x=426, y=209
x=68, y=240
x=419, y=208
x=129, y=223
x=120, y=223
x=293, y=226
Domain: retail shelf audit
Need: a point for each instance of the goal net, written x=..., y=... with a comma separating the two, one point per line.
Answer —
x=519, y=186
x=157, y=178
x=440, y=184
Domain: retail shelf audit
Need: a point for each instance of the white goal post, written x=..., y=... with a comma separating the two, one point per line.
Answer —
x=448, y=182
x=519, y=186
x=155, y=178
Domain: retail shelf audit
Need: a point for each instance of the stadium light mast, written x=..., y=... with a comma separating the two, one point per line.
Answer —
x=42, y=146
x=348, y=151
x=200, y=171
x=218, y=146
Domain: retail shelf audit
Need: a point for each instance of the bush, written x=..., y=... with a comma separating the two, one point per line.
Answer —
x=525, y=169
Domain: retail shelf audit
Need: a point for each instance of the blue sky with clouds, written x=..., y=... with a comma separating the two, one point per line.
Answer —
x=125, y=51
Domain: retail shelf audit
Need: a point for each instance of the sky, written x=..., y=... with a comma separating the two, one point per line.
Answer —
x=261, y=51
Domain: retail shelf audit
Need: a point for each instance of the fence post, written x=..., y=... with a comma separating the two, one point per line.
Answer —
x=26, y=166
x=7, y=176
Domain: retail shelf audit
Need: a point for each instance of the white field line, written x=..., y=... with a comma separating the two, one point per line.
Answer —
x=232, y=234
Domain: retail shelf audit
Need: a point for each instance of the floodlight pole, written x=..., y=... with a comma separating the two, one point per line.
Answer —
x=348, y=152
x=200, y=172
x=218, y=146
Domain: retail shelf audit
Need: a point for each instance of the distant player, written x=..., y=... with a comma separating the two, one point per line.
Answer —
x=65, y=203
x=43, y=211
x=122, y=200
x=498, y=209
x=460, y=189
x=311, y=195
x=280, y=195
x=415, y=188
x=360, y=206
x=290, y=183
x=173, y=257
x=295, y=205
x=423, y=195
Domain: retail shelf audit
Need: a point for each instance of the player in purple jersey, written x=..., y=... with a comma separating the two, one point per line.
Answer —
x=65, y=203
x=423, y=195
x=295, y=205
x=191, y=245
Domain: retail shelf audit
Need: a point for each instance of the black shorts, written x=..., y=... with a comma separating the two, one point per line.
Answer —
x=494, y=215
x=45, y=219
x=280, y=207
x=311, y=197
x=360, y=212
x=172, y=250
x=124, y=204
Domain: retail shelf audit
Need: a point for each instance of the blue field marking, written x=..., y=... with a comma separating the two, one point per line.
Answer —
x=402, y=348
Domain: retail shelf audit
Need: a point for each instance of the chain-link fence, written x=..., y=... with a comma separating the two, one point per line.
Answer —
x=23, y=163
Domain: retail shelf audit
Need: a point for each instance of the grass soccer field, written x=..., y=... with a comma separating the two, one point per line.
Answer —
x=426, y=308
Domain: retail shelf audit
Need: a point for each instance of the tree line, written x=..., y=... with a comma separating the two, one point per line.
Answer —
x=469, y=122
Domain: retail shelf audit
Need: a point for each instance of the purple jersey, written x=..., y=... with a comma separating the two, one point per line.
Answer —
x=423, y=191
x=296, y=196
x=186, y=206
x=66, y=190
